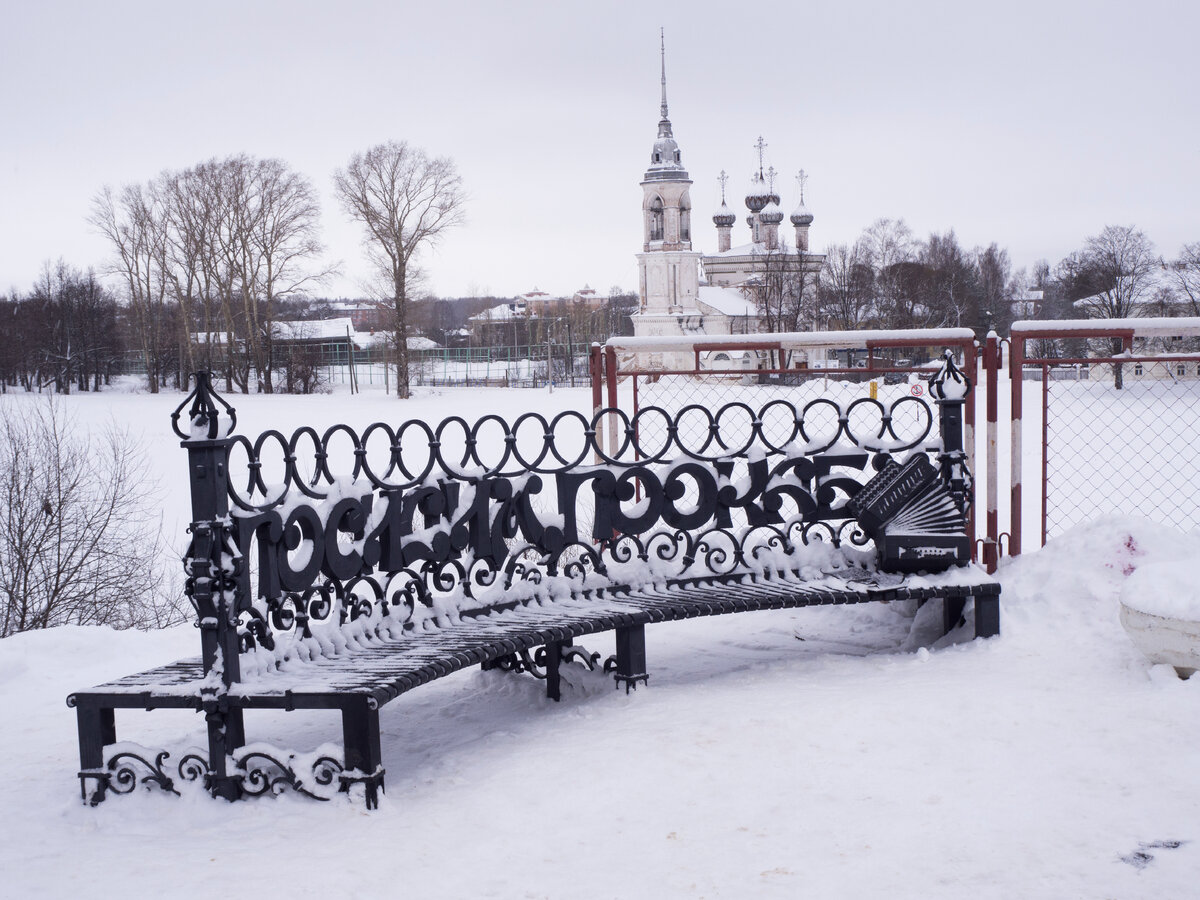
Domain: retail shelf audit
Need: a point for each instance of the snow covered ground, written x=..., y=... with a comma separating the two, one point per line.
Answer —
x=829, y=752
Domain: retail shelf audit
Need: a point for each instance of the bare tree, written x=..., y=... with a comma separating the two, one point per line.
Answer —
x=76, y=545
x=889, y=248
x=405, y=200
x=1123, y=266
x=785, y=292
x=1111, y=277
x=1185, y=273
x=846, y=287
x=134, y=221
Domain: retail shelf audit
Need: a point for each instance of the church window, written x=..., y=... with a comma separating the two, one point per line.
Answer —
x=656, y=219
x=685, y=224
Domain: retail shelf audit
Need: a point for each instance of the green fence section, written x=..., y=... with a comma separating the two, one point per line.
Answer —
x=338, y=362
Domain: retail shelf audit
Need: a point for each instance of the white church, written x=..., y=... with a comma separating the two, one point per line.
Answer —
x=686, y=293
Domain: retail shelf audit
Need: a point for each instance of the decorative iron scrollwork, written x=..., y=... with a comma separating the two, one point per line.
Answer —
x=581, y=655
x=264, y=773
x=260, y=772
x=126, y=769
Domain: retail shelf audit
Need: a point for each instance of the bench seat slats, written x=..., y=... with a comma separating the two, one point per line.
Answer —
x=386, y=668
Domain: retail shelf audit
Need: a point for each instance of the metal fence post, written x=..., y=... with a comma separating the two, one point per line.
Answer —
x=596, y=369
x=211, y=587
x=610, y=375
x=991, y=365
x=1016, y=372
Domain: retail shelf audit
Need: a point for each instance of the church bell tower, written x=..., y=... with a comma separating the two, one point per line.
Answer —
x=669, y=269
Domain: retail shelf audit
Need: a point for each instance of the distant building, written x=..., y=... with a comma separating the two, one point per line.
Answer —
x=684, y=292
x=1028, y=304
x=364, y=315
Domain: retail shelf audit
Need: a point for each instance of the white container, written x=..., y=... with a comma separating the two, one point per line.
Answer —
x=1164, y=639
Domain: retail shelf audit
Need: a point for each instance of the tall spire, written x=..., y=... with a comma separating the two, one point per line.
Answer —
x=662, y=38
x=666, y=162
x=664, y=123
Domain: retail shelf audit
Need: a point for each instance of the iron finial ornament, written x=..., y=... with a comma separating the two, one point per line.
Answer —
x=205, y=414
x=949, y=382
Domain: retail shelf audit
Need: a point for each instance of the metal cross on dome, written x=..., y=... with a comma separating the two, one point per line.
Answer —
x=760, y=145
x=802, y=178
x=722, y=178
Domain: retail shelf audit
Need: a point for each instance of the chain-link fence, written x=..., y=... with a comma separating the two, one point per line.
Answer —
x=1121, y=439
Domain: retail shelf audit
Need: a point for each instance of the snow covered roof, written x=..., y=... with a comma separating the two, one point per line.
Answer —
x=316, y=330
x=726, y=300
x=502, y=313
x=758, y=249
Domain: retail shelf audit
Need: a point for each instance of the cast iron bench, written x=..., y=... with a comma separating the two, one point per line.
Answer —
x=334, y=583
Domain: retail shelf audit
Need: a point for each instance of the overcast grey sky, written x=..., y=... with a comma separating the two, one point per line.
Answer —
x=1029, y=124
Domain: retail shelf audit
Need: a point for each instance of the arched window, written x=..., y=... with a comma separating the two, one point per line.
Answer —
x=685, y=223
x=656, y=219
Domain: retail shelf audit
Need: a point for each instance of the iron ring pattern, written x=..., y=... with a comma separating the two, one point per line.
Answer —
x=456, y=451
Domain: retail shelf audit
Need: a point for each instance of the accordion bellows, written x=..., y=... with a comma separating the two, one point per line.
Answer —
x=913, y=519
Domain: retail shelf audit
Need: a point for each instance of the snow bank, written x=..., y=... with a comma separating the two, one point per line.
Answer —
x=777, y=754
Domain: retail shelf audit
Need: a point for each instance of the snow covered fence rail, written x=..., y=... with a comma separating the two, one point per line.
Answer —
x=333, y=580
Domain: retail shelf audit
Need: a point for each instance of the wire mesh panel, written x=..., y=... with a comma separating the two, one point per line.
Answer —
x=1121, y=438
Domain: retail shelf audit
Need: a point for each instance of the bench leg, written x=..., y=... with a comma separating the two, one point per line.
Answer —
x=952, y=613
x=360, y=742
x=631, y=657
x=97, y=729
x=553, y=676
x=226, y=733
x=987, y=617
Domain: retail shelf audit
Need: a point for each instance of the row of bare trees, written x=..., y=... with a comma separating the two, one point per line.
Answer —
x=205, y=255
x=889, y=279
x=208, y=255
x=64, y=334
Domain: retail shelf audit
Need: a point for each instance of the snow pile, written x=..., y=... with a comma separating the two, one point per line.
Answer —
x=777, y=754
x=1164, y=579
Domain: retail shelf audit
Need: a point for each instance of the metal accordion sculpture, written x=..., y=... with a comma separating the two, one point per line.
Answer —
x=913, y=518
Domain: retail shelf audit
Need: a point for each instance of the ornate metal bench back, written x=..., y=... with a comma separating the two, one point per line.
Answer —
x=418, y=516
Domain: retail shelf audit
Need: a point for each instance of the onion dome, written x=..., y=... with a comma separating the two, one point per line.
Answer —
x=801, y=215
x=758, y=195
x=724, y=218
x=771, y=213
